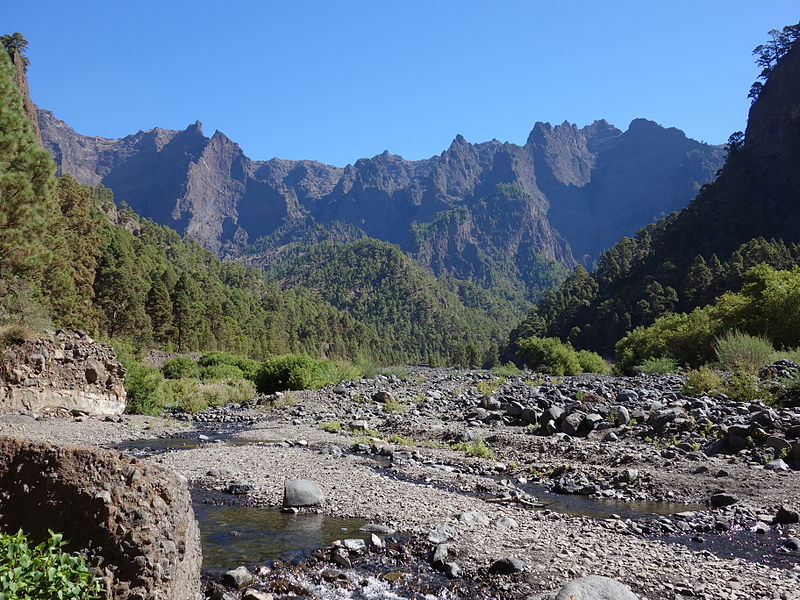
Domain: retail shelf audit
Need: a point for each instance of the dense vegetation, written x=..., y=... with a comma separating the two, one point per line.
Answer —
x=416, y=315
x=767, y=308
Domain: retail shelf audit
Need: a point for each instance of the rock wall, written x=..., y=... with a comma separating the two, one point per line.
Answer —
x=133, y=520
x=69, y=371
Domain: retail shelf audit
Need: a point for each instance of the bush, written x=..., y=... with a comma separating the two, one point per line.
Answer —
x=507, y=370
x=298, y=372
x=222, y=393
x=591, y=362
x=142, y=383
x=247, y=366
x=549, y=355
x=702, y=381
x=180, y=367
x=221, y=372
x=658, y=366
x=43, y=572
x=737, y=351
x=744, y=387
x=15, y=333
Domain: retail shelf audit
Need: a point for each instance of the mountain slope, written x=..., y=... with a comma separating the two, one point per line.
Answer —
x=565, y=187
x=749, y=215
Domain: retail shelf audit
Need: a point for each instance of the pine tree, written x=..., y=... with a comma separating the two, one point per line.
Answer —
x=27, y=203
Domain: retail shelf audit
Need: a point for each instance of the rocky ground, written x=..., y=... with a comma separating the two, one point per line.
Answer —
x=471, y=469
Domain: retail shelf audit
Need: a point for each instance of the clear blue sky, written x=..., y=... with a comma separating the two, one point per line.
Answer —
x=339, y=80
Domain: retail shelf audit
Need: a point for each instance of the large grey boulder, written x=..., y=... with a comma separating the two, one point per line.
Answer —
x=302, y=492
x=595, y=587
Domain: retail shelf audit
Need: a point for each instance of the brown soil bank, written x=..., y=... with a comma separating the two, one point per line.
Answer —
x=134, y=520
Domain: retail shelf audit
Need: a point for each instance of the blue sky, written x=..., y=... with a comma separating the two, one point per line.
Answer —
x=336, y=81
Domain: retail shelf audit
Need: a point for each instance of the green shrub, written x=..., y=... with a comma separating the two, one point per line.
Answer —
x=172, y=392
x=224, y=392
x=507, y=370
x=702, y=381
x=43, y=572
x=220, y=372
x=658, y=366
x=744, y=387
x=142, y=382
x=298, y=372
x=591, y=362
x=180, y=367
x=247, y=366
x=737, y=351
x=549, y=355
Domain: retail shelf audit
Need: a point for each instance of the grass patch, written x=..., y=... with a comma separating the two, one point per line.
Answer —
x=476, y=448
x=331, y=426
x=15, y=333
x=490, y=387
x=394, y=406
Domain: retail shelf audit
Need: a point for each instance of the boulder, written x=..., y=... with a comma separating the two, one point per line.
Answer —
x=595, y=587
x=302, y=492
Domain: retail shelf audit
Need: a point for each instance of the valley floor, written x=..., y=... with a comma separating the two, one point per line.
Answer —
x=395, y=463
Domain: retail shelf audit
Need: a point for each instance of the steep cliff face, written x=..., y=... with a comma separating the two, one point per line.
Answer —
x=468, y=212
x=604, y=183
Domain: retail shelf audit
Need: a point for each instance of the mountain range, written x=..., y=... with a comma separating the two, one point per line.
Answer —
x=498, y=214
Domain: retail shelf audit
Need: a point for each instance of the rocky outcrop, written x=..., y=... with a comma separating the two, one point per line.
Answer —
x=68, y=372
x=133, y=521
x=566, y=188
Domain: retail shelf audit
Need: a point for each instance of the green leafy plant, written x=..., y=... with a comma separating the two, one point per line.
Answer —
x=43, y=572
x=657, y=366
x=220, y=372
x=507, y=370
x=591, y=362
x=180, y=367
x=737, y=351
x=331, y=426
x=744, y=387
x=299, y=372
x=702, y=381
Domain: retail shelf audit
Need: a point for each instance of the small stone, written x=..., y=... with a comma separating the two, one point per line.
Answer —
x=376, y=528
x=340, y=558
x=785, y=516
x=721, y=500
x=354, y=545
x=382, y=396
x=251, y=594
x=777, y=465
x=451, y=570
x=392, y=576
x=507, y=565
x=237, y=578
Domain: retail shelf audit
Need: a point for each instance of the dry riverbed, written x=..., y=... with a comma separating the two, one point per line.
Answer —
x=391, y=461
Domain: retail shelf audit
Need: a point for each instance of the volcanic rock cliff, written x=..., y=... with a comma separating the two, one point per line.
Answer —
x=565, y=195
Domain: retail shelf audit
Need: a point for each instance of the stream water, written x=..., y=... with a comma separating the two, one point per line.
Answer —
x=234, y=534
